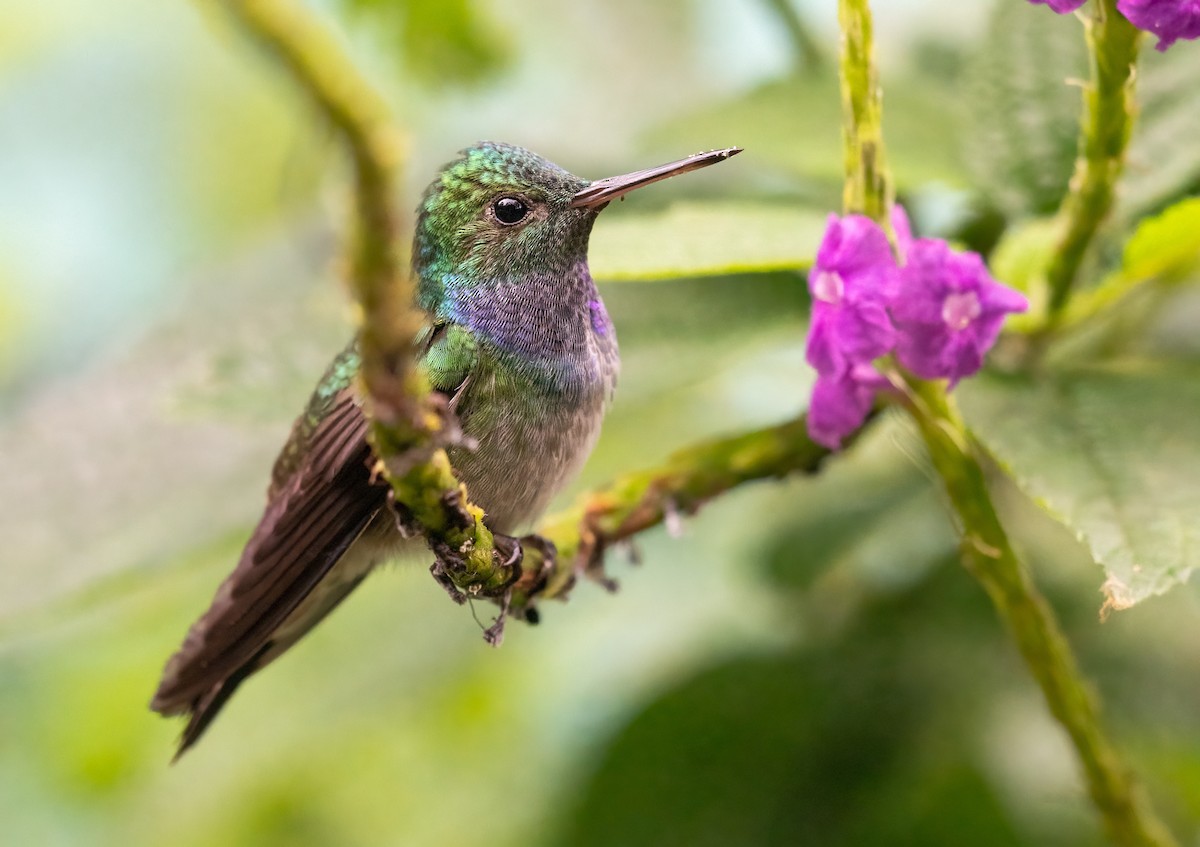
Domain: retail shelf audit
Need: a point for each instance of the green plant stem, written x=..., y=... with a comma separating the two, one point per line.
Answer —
x=986, y=551
x=640, y=500
x=868, y=189
x=1109, y=110
x=408, y=428
x=988, y=555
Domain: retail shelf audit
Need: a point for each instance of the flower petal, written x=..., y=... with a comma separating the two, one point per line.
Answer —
x=839, y=405
x=822, y=350
x=922, y=284
x=997, y=297
x=964, y=357
x=1060, y=6
x=864, y=332
x=1170, y=20
x=923, y=350
x=853, y=245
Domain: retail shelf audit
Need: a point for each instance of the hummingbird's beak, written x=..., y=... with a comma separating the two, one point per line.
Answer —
x=610, y=188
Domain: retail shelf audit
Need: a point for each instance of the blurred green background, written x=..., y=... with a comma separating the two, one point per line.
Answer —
x=805, y=664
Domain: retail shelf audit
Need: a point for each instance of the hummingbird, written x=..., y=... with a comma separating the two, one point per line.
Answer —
x=517, y=339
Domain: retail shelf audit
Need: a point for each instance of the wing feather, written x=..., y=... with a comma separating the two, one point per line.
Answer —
x=322, y=497
x=311, y=521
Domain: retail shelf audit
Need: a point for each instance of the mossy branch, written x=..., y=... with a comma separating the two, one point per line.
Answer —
x=409, y=428
x=640, y=500
x=986, y=551
x=1109, y=109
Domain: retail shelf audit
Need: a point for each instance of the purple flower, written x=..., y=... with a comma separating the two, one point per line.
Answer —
x=1168, y=19
x=948, y=311
x=840, y=404
x=849, y=285
x=1060, y=6
x=939, y=312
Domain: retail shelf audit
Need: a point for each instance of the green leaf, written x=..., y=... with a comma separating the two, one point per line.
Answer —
x=1021, y=115
x=1166, y=245
x=1021, y=256
x=1162, y=163
x=921, y=134
x=1162, y=249
x=1112, y=454
x=1020, y=261
x=693, y=239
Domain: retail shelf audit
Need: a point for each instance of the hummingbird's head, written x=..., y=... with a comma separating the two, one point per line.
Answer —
x=500, y=214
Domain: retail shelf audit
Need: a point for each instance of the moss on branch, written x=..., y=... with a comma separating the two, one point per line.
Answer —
x=640, y=500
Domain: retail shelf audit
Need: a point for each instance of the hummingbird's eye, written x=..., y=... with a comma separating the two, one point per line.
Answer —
x=510, y=210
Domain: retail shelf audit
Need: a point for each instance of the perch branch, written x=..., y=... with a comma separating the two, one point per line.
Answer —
x=1109, y=109
x=643, y=499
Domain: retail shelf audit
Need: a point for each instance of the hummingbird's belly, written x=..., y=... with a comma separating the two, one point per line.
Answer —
x=530, y=444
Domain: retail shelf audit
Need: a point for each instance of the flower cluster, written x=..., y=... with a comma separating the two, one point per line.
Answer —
x=937, y=310
x=1170, y=20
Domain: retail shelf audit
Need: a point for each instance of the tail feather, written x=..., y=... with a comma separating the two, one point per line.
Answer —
x=203, y=709
x=207, y=706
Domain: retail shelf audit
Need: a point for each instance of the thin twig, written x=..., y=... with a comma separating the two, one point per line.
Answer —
x=868, y=189
x=1109, y=109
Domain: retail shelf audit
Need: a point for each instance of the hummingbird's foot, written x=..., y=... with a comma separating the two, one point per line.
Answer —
x=450, y=569
x=533, y=579
x=511, y=550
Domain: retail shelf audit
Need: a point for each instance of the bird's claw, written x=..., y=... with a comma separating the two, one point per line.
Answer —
x=527, y=581
x=532, y=581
